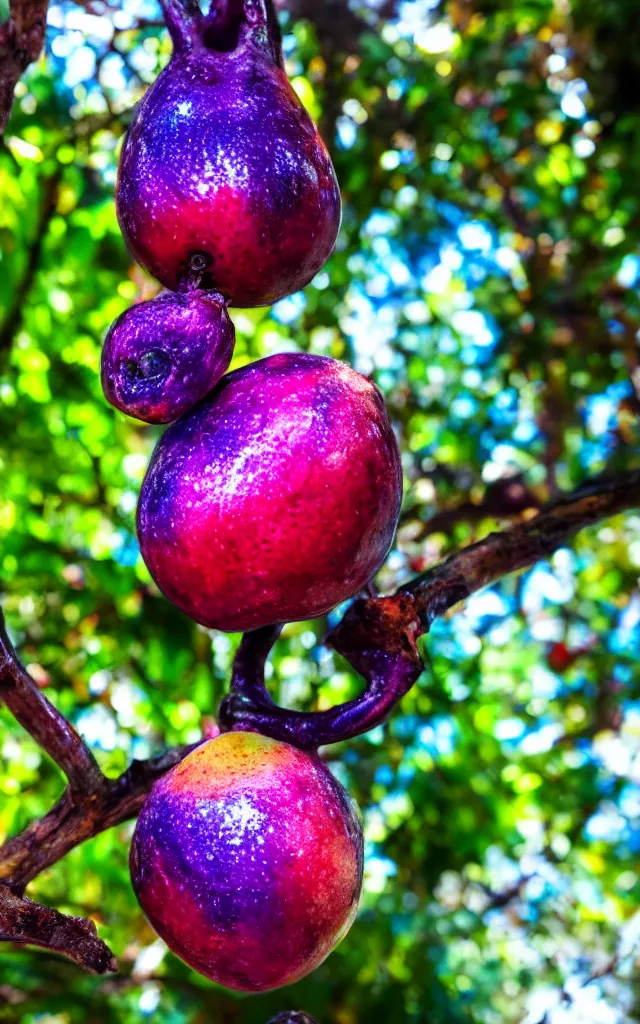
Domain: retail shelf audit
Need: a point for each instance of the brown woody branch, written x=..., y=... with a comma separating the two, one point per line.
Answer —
x=70, y=823
x=21, y=42
x=395, y=622
x=44, y=842
x=378, y=626
x=23, y=921
x=90, y=804
x=502, y=553
x=378, y=635
x=47, y=725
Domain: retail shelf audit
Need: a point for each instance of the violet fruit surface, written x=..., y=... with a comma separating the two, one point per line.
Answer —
x=247, y=860
x=162, y=356
x=222, y=160
x=274, y=499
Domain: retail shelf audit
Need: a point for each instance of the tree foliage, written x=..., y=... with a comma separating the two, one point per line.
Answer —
x=486, y=277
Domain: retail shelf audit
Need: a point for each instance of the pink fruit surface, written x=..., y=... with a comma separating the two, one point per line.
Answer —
x=274, y=499
x=222, y=160
x=247, y=860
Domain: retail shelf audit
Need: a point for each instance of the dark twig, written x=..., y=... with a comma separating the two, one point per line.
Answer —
x=68, y=824
x=21, y=42
x=608, y=969
x=90, y=804
x=499, y=554
x=499, y=900
x=47, y=725
x=23, y=921
x=377, y=635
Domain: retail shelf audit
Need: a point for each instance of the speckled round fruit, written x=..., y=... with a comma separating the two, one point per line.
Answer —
x=247, y=860
x=222, y=159
x=162, y=356
x=276, y=498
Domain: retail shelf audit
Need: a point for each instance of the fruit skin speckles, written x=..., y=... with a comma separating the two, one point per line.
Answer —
x=222, y=159
x=247, y=860
x=276, y=498
x=162, y=356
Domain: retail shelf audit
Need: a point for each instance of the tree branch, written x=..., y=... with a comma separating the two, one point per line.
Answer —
x=378, y=635
x=22, y=920
x=68, y=824
x=500, y=554
x=21, y=42
x=47, y=725
x=90, y=804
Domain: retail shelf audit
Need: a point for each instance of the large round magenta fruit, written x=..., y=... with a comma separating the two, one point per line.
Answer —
x=247, y=860
x=162, y=356
x=223, y=161
x=274, y=499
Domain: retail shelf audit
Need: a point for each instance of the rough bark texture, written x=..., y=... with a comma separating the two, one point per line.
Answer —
x=72, y=821
x=21, y=42
x=90, y=804
x=26, y=922
x=45, y=723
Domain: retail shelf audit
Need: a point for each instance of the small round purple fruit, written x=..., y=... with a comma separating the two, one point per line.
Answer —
x=247, y=860
x=276, y=498
x=162, y=356
x=222, y=161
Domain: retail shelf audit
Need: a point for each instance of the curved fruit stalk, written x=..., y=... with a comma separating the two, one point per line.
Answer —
x=274, y=499
x=162, y=356
x=223, y=161
x=387, y=658
x=247, y=860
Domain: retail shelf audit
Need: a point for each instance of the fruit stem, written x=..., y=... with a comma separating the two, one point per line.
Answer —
x=389, y=674
x=192, y=276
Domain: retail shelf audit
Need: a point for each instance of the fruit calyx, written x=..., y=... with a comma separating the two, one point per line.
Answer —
x=228, y=28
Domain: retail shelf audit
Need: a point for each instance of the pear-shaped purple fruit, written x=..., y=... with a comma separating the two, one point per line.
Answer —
x=162, y=356
x=223, y=162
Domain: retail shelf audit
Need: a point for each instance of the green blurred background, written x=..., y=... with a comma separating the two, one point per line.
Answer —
x=486, y=277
